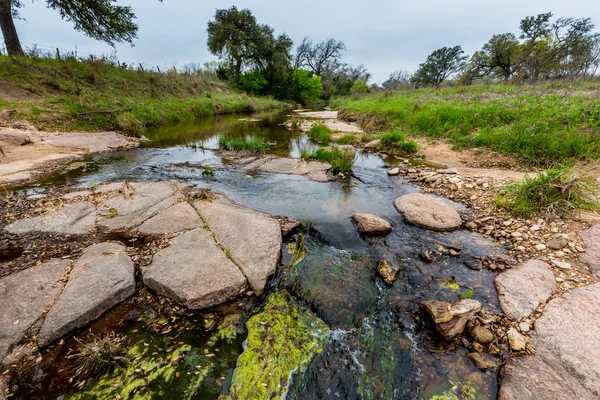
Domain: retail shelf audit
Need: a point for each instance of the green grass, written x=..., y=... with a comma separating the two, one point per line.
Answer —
x=341, y=161
x=98, y=95
x=397, y=140
x=555, y=191
x=348, y=138
x=320, y=133
x=251, y=143
x=541, y=124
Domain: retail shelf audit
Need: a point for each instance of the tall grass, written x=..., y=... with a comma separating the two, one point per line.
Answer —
x=320, y=133
x=340, y=161
x=539, y=124
x=398, y=140
x=251, y=143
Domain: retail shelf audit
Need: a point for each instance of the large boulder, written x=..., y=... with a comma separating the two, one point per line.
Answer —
x=24, y=297
x=253, y=238
x=450, y=319
x=194, y=271
x=103, y=277
x=566, y=365
x=136, y=203
x=14, y=136
x=178, y=218
x=428, y=211
x=591, y=237
x=73, y=219
x=370, y=224
x=523, y=288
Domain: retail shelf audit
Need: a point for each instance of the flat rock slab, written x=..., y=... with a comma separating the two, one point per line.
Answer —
x=428, y=211
x=523, y=288
x=93, y=142
x=132, y=207
x=315, y=170
x=178, y=218
x=102, y=278
x=14, y=136
x=74, y=219
x=253, y=238
x=24, y=297
x=370, y=224
x=566, y=365
x=194, y=271
x=591, y=238
x=318, y=114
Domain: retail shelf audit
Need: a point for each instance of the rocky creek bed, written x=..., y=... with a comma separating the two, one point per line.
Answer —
x=363, y=290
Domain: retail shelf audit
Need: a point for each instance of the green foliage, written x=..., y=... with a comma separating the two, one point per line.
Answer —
x=359, y=87
x=499, y=57
x=341, y=161
x=253, y=83
x=554, y=191
x=541, y=124
x=348, y=138
x=99, y=354
x=320, y=133
x=440, y=65
x=207, y=171
x=466, y=295
x=306, y=89
x=397, y=140
x=251, y=143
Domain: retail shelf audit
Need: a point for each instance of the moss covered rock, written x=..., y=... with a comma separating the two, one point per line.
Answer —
x=282, y=339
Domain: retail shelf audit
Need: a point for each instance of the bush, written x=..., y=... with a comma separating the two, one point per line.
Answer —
x=306, y=89
x=341, y=161
x=359, y=87
x=253, y=83
x=554, y=191
x=251, y=143
x=320, y=133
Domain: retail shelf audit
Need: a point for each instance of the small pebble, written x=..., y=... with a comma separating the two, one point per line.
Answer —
x=524, y=327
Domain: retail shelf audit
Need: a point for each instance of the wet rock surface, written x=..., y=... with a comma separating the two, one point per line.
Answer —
x=451, y=319
x=25, y=297
x=102, y=278
x=253, y=239
x=566, y=365
x=428, y=212
x=523, y=288
x=194, y=272
x=372, y=225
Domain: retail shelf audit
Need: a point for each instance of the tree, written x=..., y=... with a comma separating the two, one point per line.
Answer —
x=102, y=20
x=499, y=57
x=397, y=79
x=306, y=88
x=440, y=65
x=320, y=56
x=359, y=87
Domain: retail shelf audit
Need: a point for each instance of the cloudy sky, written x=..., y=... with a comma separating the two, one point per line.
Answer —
x=385, y=35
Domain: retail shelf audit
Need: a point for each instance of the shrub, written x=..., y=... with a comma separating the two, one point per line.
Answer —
x=320, y=133
x=341, y=161
x=306, y=89
x=253, y=82
x=359, y=87
x=554, y=191
x=398, y=140
x=99, y=354
x=252, y=143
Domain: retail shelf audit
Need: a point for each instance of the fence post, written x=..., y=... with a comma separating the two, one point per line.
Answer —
x=57, y=54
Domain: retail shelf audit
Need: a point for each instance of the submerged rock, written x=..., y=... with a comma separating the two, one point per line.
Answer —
x=102, y=278
x=482, y=335
x=24, y=297
x=194, y=272
x=566, y=364
x=523, y=288
x=73, y=219
x=252, y=238
x=314, y=170
x=428, y=211
x=451, y=319
x=372, y=225
x=282, y=339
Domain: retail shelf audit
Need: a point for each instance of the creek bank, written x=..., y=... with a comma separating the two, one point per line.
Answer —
x=304, y=120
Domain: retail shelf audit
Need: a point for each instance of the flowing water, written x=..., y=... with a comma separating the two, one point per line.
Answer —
x=377, y=346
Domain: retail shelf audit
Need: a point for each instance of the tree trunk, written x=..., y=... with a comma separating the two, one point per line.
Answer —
x=11, y=38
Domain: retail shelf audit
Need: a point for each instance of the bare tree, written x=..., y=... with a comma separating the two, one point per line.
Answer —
x=320, y=56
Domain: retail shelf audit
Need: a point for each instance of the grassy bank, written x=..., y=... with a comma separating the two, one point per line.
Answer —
x=97, y=94
x=541, y=125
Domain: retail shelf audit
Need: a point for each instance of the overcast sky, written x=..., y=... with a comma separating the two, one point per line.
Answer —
x=383, y=35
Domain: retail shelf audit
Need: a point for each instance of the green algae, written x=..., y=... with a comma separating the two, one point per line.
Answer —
x=180, y=366
x=282, y=339
x=460, y=391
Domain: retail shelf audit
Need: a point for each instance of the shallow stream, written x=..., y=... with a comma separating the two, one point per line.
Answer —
x=376, y=345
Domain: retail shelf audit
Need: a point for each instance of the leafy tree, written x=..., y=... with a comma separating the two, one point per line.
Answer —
x=500, y=57
x=102, y=20
x=440, y=65
x=359, y=87
x=306, y=88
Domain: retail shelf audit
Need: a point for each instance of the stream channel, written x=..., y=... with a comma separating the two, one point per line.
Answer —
x=373, y=343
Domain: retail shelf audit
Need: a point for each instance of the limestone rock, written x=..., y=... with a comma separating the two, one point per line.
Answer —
x=566, y=364
x=132, y=207
x=523, y=288
x=370, y=224
x=429, y=212
x=253, y=238
x=372, y=144
x=394, y=171
x=14, y=137
x=177, y=218
x=73, y=219
x=194, y=272
x=93, y=142
x=388, y=272
x=24, y=297
x=557, y=243
x=516, y=341
x=482, y=335
x=590, y=238
x=451, y=318
x=315, y=170
x=102, y=278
